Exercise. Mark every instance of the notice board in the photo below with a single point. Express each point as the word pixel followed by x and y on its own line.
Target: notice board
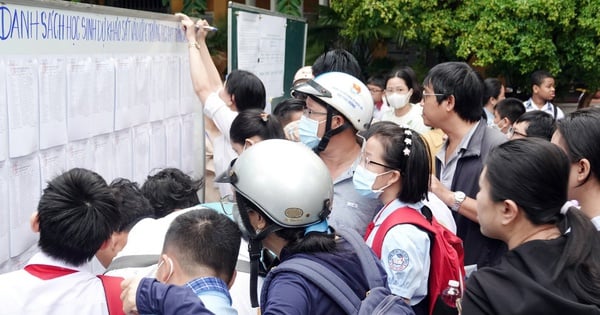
pixel 88 86
pixel 269 44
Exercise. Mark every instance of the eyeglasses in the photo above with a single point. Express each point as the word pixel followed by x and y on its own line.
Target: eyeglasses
pixel 364 161
pixel 512 132
pixel 308 112
pixel 431 94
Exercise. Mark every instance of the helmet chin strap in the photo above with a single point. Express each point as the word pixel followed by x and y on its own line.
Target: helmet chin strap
pixel 329 132
pixel 255 250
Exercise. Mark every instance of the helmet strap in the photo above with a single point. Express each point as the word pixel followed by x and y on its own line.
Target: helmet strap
pixel 328 131
pixel 255 251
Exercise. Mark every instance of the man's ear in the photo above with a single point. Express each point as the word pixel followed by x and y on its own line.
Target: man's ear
pixel 509 212
pixel 535 88
pixel 34 222
pixel 450 102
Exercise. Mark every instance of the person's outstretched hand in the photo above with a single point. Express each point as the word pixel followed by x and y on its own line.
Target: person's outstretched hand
pixel 194 31
pixel 128 294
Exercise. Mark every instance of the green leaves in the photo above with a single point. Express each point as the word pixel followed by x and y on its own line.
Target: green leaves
pixel 290 7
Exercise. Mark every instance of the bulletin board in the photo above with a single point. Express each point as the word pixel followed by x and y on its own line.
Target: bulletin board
pixel 269 44
pixel 88 86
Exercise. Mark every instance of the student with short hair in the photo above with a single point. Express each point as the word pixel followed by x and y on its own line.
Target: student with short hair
pixel 542 93
pixel 133 207
pixel 170 189
pixel 376 85
pixel 76 216
pixel 506 112
pixel 200 251
pixel 536 123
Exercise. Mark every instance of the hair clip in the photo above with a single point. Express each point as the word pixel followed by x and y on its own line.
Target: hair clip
pixel 264 117
pixel 407 142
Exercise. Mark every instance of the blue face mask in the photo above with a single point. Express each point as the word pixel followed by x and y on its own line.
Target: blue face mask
pixel 364 180
pixel 307 131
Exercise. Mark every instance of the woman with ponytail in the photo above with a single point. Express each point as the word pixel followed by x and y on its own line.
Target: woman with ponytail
pixel 553 265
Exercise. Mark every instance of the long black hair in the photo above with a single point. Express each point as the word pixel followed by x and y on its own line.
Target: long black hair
pixel 534 174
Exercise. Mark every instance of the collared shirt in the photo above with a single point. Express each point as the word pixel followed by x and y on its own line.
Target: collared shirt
pixel 214 294
pixel 489 116
pixel 447 170
pixel 404 254
pixel 548 108
pixel 350 209
pixel 80 292
pixel 222 116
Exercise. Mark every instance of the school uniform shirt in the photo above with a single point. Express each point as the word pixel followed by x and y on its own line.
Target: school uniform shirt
pixel 548 108
pixel 79 292
pixel 413 119
pixel 523 283
pixel 222 116
pixel 404 254
pixel 147 238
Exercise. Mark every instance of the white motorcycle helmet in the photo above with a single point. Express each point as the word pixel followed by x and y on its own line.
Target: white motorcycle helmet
pixel 345 93
pixel 285 181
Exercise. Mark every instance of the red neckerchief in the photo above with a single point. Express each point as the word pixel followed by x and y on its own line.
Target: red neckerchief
pixel 47 272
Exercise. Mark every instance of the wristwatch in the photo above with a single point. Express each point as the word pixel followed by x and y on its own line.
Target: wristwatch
pixel 459 197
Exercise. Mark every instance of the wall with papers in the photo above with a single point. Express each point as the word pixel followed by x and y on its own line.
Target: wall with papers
pixel 268 44
pixel 86 86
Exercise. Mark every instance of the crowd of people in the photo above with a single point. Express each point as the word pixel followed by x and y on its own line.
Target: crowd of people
pixel 517 183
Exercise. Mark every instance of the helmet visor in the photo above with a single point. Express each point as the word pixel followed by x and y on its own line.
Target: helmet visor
pixel 312 87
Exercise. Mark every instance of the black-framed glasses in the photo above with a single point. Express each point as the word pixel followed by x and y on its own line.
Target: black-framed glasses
pixel 431 94
pixel 512 132
pixel 364 161
pixel 307 112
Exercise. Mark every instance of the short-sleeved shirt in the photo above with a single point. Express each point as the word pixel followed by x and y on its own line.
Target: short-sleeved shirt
pixel 222 116
pixel 413 119
pixel 404 254
pixel 80 292
pixel 548 108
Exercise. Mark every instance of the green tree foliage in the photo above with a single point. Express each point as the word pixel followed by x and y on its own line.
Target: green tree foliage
pixel 290 7
pixel 506 37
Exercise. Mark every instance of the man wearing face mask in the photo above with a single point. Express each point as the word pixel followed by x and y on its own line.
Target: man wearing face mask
pixel 403 94
pixel 339 106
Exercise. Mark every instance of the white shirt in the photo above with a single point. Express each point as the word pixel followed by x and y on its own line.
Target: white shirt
pixel 413 119
pixel 440 211
pixel 147 238
pixel 404 255
pixel 77 293
pixel 222 116
pixel 548 108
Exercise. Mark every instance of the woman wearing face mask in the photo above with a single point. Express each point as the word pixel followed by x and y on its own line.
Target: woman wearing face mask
pixel 395 168
pixel 403 94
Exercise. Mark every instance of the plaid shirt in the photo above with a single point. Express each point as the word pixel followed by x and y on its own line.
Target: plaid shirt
pixel 214 284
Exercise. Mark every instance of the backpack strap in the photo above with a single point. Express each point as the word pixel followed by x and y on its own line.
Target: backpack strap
pixel 368 261
pixel 112 292
pixel 325 279
pixel 399 216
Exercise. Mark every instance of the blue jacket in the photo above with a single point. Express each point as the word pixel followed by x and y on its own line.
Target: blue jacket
pixel 289 293
pixel 479 249
pixel 154 297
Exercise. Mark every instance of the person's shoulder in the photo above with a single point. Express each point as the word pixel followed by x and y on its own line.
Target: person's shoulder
pixel 493 137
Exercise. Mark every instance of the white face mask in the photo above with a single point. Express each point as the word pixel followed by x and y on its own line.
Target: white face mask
pixel 398 100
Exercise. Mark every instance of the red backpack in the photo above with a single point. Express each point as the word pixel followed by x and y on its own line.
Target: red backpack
pixel 447 254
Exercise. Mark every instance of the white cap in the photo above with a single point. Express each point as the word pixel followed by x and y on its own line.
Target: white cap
pixel 303 74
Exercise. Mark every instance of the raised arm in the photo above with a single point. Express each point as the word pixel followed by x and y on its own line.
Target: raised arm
pixel 205 77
